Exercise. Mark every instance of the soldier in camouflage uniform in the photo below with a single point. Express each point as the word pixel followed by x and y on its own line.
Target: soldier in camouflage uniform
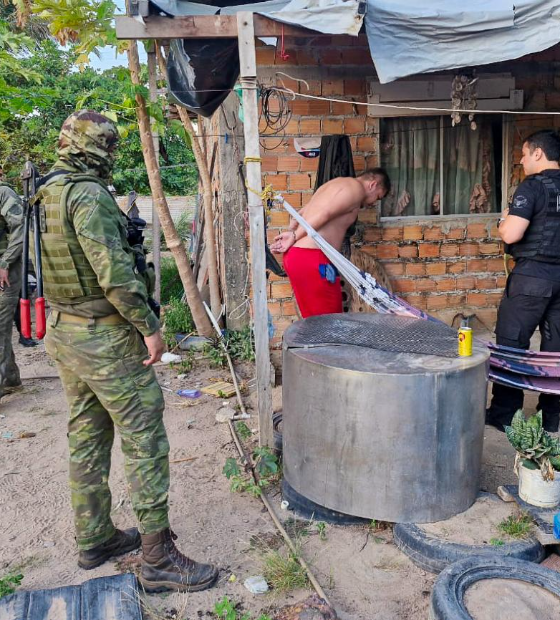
pixel 11 242
pixel 99 332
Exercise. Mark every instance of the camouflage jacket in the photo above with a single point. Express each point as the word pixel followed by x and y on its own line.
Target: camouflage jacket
pixel 98 225
pixel 11 227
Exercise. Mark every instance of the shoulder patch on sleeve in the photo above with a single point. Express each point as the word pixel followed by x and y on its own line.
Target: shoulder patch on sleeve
pixel 519 202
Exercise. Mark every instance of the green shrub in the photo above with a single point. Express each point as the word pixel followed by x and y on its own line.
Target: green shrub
pixel 177 319
pixel 171 285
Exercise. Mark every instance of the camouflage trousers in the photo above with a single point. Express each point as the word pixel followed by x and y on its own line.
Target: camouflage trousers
pixel 108 387
pixel 9 297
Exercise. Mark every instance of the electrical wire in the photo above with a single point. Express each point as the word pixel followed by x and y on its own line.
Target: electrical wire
pixel 276 112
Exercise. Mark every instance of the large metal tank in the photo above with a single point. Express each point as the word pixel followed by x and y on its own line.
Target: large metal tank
pixel 393 436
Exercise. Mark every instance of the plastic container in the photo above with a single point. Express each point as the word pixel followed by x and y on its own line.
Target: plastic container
pixel 537 491
pixel 189 393
pixel 556 530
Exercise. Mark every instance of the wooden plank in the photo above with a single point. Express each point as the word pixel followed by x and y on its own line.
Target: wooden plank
pixel 220 389
pixel 248 80
pixel 202 26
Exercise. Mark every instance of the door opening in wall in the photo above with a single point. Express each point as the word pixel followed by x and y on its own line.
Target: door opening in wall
pixel 437 169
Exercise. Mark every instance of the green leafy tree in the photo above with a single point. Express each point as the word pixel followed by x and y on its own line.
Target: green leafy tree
pixel 33 131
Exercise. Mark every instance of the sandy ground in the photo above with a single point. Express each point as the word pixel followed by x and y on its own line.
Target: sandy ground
pixel 362 571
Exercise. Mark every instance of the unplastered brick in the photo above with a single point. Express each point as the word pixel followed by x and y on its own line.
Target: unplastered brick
pixel 299 181
pixel 412 233
pixel 408 251
pixel 428 250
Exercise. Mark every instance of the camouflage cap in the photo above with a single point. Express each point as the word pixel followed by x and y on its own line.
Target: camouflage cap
pixel 90 136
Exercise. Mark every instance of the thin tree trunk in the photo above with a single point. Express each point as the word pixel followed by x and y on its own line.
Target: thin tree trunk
pixel 172 239
pixel 210 238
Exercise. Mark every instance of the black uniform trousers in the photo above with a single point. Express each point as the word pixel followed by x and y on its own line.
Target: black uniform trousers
pixel 528 303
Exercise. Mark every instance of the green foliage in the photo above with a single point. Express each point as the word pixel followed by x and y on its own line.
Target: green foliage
pixel 9 584
pixel 266 463
pixel 533 444
pixel 243 430
pixel 497 542
pixel 171 285
pixel 231 468
pixel 226 610
pixel 517 526
pixel 38 94
pixel 284 572
pixel 186 364
pixel 177 319
pixel 215 353
pixel 266 466
pixel 238 343
pixel 321 528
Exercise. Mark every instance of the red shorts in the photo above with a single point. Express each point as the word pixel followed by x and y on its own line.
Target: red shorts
pixel 314 294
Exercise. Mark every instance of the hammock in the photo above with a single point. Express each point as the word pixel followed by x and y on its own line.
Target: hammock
pixel 530 370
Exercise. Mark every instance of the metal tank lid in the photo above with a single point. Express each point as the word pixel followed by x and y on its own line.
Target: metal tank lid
pixel 378 343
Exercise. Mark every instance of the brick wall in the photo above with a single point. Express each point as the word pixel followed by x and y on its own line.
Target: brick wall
pixel 446 265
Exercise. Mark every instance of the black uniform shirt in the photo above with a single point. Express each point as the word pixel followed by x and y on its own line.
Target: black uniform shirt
pixel 528 200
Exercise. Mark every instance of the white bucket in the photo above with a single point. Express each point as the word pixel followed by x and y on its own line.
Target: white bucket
pixel 537 491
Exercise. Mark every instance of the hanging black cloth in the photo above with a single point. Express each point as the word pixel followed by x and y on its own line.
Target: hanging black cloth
pixel 335 160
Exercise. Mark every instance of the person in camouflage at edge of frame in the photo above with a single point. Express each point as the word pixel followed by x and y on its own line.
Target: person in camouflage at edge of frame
pixel 99 322
pixel 11 243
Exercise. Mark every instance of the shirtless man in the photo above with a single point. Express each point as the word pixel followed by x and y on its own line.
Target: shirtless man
pixel 332 210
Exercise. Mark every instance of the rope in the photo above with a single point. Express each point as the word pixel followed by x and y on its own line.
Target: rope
pixel 266 195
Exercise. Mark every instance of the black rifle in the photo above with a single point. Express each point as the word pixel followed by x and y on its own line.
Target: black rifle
pixel 29 177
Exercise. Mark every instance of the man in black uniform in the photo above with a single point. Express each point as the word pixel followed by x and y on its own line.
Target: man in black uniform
pixel 531 231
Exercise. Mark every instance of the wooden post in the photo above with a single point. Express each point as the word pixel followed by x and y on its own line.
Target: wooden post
pixel 248 80
pixel 156 228
pixel 233 202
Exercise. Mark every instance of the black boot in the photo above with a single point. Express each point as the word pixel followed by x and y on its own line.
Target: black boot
pixel 120 543
pixel 27 342
pixel 164 567
pixel 551 422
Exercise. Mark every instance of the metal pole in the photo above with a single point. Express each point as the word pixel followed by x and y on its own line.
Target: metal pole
pixel 248 79
pixel 156 229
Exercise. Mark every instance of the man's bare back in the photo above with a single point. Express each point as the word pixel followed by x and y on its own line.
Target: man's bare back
pixel 340 199
pixel 332 210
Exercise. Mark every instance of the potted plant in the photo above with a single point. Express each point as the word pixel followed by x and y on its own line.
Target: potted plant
pixel 537 462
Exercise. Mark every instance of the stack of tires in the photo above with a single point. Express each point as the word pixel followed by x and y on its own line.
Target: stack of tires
pixel 483 582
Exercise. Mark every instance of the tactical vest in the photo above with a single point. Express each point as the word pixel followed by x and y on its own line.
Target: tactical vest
pixel 68 278
pixel 4 232
pixel 541 241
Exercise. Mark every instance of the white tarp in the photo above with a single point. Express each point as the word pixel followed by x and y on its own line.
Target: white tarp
pixel 326 16
pixel 409 37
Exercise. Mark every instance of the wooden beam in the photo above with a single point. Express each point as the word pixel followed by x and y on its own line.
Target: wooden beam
pixel 201 27
pixel 248 80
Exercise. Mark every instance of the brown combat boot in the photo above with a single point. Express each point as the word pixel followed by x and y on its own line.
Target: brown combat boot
pixel 120 543
pixel 164 567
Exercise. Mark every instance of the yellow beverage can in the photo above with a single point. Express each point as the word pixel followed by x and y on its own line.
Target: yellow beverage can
pixel 465 341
